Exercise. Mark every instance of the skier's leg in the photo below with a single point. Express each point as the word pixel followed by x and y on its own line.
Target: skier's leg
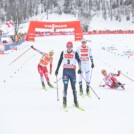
pixel 72 78
pixel 40 70
pixel 65 82
pixel 87 73
pixel 80 84
pixel 45 72
pixel 115 82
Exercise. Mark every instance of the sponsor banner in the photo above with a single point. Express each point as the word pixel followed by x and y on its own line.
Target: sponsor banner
pixel 86 33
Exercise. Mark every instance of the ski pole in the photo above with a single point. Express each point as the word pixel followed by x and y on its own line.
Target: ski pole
pixel 91 75
pixel 94 92
pixel 127 77
pixel 57 88
pixel 58 80
pixel 91 87
pixel 20 56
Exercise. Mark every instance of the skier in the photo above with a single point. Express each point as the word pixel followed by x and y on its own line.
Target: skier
pixel 69 58
pixel 110 80
pixel 85 55
pixel 42 66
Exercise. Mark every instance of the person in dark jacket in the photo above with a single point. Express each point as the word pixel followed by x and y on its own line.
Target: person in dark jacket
pixel 69 58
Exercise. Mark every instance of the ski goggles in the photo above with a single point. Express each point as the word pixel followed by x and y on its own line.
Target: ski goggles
pixel 51 53
pixel 83 42
pixel 69 47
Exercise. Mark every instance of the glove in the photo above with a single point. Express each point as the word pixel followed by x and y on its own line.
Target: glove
pixel 50 72
pixel 32 47
pixel 119 72
pixel 92 66
pixel 79 71
pixel 56 72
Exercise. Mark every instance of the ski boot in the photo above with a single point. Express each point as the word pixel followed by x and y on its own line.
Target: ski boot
pixel 121 85
pixel 43 86
pixel 64 102
pixel 50 85
pixel 87 90
pixel 76 102
pixel 81 90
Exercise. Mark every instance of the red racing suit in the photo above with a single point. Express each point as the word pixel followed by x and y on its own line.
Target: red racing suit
pixel 111 81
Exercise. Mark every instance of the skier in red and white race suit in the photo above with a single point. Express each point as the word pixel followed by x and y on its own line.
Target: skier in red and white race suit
pixel 110 80
pixel 42 66
pixel 86 57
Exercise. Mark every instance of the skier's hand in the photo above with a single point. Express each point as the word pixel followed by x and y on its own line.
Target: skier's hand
pixel 56 72
pixel 50 72
pixel 79 71
pixel 92 65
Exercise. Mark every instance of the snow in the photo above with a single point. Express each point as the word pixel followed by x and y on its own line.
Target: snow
pixel 25 108
pixel 98 23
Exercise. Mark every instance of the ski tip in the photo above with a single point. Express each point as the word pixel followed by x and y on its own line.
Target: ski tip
pixel 81 109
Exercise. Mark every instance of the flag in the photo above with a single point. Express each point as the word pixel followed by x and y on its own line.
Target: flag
pixel 9 23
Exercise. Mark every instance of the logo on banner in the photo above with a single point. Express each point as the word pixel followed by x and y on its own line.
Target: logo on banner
pixel 52 26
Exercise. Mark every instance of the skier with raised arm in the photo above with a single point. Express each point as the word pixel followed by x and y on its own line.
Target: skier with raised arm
pixel 42 66
pixel 110 80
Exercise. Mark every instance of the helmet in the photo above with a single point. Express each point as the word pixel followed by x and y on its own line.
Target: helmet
pixel 103 71
pixel 69 44
pixel 83 41
pixel 51 52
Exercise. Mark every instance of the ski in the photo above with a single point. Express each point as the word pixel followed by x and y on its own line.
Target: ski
pixel 65 109
pixel 80 108
pixel 44 88
pixel 88 95
pixel 82 95
pixel 53 87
